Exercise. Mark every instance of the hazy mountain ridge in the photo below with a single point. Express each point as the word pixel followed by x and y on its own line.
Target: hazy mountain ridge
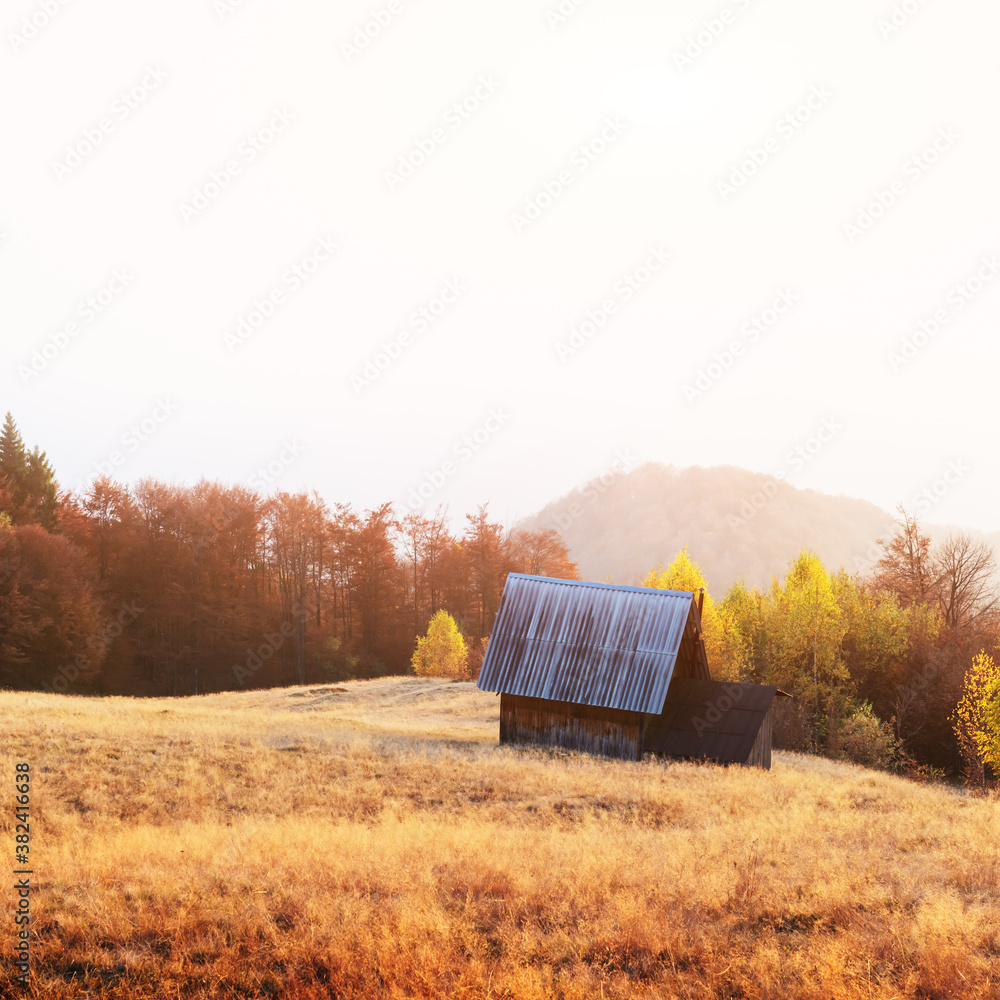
pixel 736 524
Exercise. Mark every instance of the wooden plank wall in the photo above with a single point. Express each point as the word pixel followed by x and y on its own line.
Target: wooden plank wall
pixel 608 731
pixel 760 754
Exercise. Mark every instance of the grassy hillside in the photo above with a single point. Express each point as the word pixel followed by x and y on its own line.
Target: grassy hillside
pixel 372 840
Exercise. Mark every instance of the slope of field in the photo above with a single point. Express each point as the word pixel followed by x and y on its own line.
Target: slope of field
pixel 372 840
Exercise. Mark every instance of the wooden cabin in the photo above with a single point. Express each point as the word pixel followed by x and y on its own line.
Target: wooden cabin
pixel 620 671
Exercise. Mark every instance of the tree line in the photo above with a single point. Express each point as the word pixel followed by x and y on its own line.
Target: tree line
pixel 160 589
pixel 879 664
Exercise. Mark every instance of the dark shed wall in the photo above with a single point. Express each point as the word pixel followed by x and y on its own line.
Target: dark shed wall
pixel 710 720
pixel 760 755
pixel 609 731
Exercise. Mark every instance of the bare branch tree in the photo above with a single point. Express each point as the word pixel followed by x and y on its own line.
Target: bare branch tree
pixel 966 571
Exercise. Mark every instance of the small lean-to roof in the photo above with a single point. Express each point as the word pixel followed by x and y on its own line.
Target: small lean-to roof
pixel 711 720
pixel 591 643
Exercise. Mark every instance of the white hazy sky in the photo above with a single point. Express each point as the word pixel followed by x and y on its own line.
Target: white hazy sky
pixel 178 162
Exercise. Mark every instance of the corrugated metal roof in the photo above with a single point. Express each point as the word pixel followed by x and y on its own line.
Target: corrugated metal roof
pixel 710 719
pixel 590 643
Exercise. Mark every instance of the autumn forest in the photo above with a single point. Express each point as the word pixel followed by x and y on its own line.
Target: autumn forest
pixel 159 589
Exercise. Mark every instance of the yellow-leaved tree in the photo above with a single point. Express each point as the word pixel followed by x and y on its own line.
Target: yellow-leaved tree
pixel 741 617
pixel 992 718
pixel 442 652
pixel 804 637
pixel 976 719
pixel 684 574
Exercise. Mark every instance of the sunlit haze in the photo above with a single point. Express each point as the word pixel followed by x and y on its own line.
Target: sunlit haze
pixel 433 252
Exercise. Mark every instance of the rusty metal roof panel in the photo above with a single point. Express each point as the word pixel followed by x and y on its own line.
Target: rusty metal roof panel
pixel 587 643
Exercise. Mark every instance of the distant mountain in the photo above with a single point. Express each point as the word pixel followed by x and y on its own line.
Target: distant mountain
pixel 736 524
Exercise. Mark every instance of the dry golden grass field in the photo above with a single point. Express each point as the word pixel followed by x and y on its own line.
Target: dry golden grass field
pixel 370 839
